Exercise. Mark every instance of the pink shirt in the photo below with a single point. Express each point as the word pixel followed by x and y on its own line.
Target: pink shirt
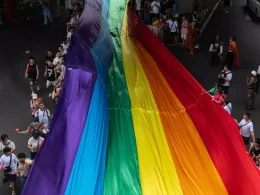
pixel 218 98
pixel 184 27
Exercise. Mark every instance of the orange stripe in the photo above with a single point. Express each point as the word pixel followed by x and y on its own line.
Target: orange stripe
pixel 195 169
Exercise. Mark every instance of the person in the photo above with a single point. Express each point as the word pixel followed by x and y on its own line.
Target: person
pixel 232 55
pixel 34 103
pixel 34 125
pixel 9 166
pixel 192 34
pixel 6 143
pixel 254 150
pixel 246 129
pixel 49 56
pixel 147 8
pixel 225 78
pixel 213 91
pixel 194 18
pixel 44 116
pixel 216 49
pixel 257 78
pixel 225 3
pixel 155 10
pixel 218 97
pixel 32 74
pixel 251 85
pixel 34 143
pixel 227 105
pixel 46 12
pixel 57 91
pixel 173 26
pixel 184 30
pixel 51 74
pixel 22 168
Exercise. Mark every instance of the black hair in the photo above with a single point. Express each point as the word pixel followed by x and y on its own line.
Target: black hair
pixel 31 58
pixel 50 50
pixel 6 149
pixel 21 155
pixel 3 137
pixel 247 114
pixel 36 119
pixel 234 38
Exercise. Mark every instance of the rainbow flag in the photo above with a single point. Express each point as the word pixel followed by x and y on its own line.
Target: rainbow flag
pixel 131 120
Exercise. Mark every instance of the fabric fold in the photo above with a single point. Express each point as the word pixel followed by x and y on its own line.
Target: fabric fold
pixel 53 164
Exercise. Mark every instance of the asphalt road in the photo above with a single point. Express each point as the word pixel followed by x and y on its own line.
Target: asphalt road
pixel 15 91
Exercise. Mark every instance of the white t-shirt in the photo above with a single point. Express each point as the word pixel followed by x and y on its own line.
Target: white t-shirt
pixel 69 34
pixel 5 161
pixel 247 128
pixel 57 61
pixel 155 7
pixel 228 108
pixel 9 144
pixel 228 76
pixel 173 25
pixel 43 116
pixel 138 5
pixel 35 143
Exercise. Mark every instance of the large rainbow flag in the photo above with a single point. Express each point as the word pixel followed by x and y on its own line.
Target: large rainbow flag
pixel 131 120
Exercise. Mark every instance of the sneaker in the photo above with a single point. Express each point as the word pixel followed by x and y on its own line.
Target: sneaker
pixel 38 87
pixel 50 95
pixel 197 47
pixel 27 51
pixel 10 185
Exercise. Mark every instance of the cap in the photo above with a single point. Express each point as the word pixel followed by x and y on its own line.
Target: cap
pixel 253 73
pixel 34 96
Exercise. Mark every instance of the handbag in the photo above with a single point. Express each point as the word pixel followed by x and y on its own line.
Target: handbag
pixel 8 169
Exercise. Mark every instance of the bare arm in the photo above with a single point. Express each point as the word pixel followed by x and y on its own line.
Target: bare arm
pixel 37 69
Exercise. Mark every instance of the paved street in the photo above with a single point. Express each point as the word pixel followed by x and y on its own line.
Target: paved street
pixel 15 91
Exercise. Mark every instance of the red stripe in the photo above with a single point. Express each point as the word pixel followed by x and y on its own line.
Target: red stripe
pixel 216 128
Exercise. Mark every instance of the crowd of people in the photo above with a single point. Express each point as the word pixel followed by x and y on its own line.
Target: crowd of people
pixel 161 17
pixel 19 166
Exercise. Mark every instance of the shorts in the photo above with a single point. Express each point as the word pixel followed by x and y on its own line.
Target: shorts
pixel 23 180
pixel 173 34
pixel 184 36
pixel 50 83
pixel 246 140
pixel 33 82
pixel 10 177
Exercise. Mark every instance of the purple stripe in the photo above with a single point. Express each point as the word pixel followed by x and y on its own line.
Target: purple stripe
pixel 52 167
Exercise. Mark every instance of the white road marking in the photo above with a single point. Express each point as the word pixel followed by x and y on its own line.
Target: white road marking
pixel 207 21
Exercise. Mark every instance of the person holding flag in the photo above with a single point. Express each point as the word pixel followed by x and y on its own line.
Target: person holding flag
pixel 232 55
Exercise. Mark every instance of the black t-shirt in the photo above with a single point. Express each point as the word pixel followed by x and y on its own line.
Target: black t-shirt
pixel 32 71
pixel 216 45
pixel 49 58
pixel 50 73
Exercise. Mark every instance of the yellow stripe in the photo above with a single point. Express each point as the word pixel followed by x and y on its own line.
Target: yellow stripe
pixel 196 171
pixel 157 171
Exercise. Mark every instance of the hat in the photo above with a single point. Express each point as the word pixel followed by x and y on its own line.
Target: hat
pixel 34 96
pixel 253 73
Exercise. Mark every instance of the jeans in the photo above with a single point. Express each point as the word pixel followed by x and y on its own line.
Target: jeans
pixel 47 16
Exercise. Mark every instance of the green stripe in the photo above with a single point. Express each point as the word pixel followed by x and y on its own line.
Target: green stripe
pixel 122 173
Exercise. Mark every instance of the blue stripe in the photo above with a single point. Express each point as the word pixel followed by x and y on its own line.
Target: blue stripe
pixel 87 176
